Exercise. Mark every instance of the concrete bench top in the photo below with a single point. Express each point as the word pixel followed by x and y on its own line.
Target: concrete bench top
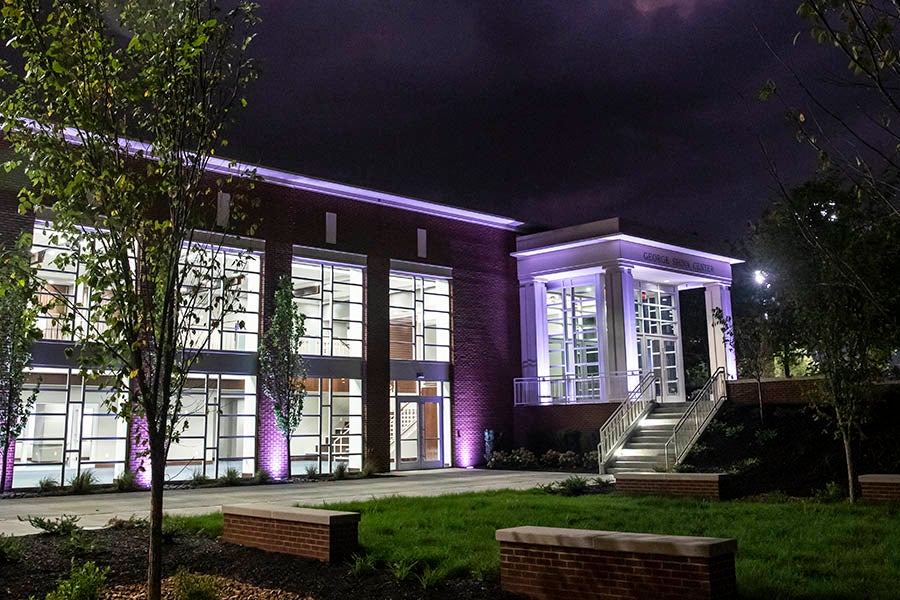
pixel 672 476
pixel 297 515
pixel 617 541
pixel 880 478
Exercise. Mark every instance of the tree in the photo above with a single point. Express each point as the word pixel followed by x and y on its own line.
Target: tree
pixel 168 75
pixel 282 369
pixel 809 243
pixel 18 314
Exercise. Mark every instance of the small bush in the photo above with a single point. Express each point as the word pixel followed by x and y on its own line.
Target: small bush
pixel 84 583
pixel 231 477
pixel 402 569
pixel 571 486
pixel 195 586
pixel 126 482
pixel 312 471
pixel 199 478
pixel 48 484
pixel 81 544
pixel 832 492
pixel 64 525
pixel 131 522
pixel 82 483
pixel 368 470
pixel 589 461
pixel 10 549
pixel 431 577
pixel 362 564
pixel 262 476
pixel 340 470
pixel 520 458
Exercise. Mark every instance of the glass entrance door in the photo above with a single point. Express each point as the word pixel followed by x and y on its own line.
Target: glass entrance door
pixel 416 441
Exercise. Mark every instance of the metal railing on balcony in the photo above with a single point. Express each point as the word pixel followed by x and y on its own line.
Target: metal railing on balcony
pixel 639 401
pixel 703 405
pixel 569 389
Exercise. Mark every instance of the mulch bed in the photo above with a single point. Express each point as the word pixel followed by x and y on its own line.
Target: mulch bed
pixel 44 561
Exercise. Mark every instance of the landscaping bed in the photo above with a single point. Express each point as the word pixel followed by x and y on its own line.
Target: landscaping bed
pixel 250 574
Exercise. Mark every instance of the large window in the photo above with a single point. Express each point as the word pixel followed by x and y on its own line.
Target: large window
pixel 220 297
pixel 331 298
pixel 572 330
pixel 331 429
pixel 70 430
pixel 220 414
pixel 420 318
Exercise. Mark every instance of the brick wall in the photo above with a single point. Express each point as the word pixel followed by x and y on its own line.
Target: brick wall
pixel 573 567
pixel 796 390
pixel 328 536
pixel 880 488
pixel 586 418
pixel 9 458
pixel 692 485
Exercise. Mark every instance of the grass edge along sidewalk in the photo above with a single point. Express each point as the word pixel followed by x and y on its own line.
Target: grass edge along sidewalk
pixel 787 548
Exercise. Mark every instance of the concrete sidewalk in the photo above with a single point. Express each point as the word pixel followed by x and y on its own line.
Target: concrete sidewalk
pixel 96 510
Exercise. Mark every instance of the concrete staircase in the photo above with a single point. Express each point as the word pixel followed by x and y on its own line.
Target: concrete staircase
pixel 644 451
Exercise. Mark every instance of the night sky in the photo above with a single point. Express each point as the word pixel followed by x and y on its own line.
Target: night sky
pixel 552 112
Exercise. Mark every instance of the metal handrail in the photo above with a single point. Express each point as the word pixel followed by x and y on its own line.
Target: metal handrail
pixel 704 405
pixel 612 386
pixel 624 419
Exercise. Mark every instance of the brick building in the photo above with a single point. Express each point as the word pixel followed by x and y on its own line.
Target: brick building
pixel 426 326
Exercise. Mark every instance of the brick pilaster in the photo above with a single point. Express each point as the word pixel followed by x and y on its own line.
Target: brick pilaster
pixel 377 376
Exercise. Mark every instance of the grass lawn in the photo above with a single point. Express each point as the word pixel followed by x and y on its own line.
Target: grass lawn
pixel 786 548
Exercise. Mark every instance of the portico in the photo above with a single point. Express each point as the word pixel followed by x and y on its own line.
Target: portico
pixel 600 313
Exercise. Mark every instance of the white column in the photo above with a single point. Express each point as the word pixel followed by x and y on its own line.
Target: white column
pixel 721 354
pixel 533 320
pixel 621 334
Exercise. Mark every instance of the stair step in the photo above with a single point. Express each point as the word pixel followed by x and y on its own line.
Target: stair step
pixel 646 445
pixel 639 453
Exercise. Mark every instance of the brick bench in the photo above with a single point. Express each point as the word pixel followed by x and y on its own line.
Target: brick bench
pixel 693 485
pixel 325 535
pixel 550 563
pixel 883 488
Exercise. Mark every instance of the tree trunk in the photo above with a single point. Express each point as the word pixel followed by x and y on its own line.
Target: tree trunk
pixel 287 441
pixel 851 468
pixel 157 481
pixel 759 399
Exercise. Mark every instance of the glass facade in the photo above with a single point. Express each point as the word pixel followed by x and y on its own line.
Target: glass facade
pixel 69 431
pixel 420 318
pixel 331 298
pixel 218 430
pixel 331 429
pixel 572 331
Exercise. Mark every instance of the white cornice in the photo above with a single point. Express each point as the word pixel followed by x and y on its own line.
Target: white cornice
pixel 625 238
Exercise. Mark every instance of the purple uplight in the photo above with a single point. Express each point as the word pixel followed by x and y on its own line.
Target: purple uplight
pixel 138 460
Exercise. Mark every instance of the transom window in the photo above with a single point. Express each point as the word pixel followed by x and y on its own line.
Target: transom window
pixel 330 296
pixel 420 318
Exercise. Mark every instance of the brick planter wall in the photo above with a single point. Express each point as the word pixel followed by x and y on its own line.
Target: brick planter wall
pixel 325 535
pixel 550 563
pixel 882 488
pixel 693 485
pixel 796 390
pixel 586 418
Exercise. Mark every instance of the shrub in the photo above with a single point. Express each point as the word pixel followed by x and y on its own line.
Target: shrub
pixel 82 483
pixel 832 492
pixel 64 525
pixel 84 583
pixel 10 549
pixel 231 477
pixel 569 460
pixel 589 461
pixel 262 476
pixel 362 564
pixel 550 459
pixel 195 586
pixel 340 470
pixel 126 482
pixel 312 471
pixel 199 478
pixel 571 486
pixel 132 522
pixel 402 569
pixel 368 470
pixel 520 458
pixel 431 577
pixel 80 544
pixel 48 484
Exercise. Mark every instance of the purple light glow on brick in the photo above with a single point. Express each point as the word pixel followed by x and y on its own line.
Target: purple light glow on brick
pixel 272 449
pixel 10 459
pixel 138 459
